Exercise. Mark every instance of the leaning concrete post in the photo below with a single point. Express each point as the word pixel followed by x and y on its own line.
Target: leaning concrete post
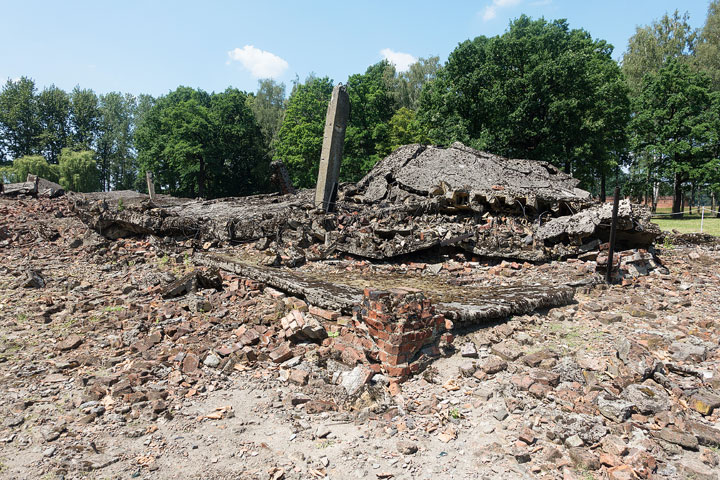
pixel 150 185
pixel 335 122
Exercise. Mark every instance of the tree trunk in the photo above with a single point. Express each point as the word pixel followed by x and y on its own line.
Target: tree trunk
pixel 677 196
pixel 655 194
pixel 603 196
pixel 692 196
pixel 201 179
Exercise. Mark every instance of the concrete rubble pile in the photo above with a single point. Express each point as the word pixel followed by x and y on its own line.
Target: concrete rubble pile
pixel 420 200
pixel 417 199
pixel 146 356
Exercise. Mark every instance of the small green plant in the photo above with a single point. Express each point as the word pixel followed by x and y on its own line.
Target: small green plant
pixel 116 308
pixel 21 317
pixel 455 413
pixel 324 444
pixel 667 243
pixel 120 205
pixel 333 334
pixel 163 260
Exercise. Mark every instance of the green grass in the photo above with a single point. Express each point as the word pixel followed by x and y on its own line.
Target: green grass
pixel 689 223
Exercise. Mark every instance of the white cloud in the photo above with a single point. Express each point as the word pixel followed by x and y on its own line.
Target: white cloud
pixel 491 10
pixel 402 61
pixel 261 64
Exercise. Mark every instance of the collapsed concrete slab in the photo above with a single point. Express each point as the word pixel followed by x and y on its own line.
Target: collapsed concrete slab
pixel 468 179
pixel 417 199
pixel 477 306
pixel 33 186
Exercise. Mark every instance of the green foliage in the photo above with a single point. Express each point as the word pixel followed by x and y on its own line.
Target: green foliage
pixel 405 129
pixel 409 84
pixel 36 165
pixel 53 105
pixel 202 144
pixel 84 118
pixel 540 91
pixel 268 106
pixel 19 124
pixel 299 140
pixel 708 46
pixel 78 171
pixel 114 140
pixel 367 138
pixel 672 126
pixel 652 45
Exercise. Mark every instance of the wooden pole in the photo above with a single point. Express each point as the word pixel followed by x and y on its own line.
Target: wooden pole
pixel 613 232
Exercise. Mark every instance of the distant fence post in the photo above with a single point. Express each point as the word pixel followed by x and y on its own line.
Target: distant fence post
pixel 702 219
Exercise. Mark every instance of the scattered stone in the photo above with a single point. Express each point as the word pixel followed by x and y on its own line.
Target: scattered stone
pixel 704 402
pixel 648 398
pixel 468 350
pixel 71 342
pixel 407 448
pixel 685 440
pixel 493 364
pixel 687 352
pixel 355 379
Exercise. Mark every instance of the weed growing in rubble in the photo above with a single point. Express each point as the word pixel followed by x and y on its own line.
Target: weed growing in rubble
pixel 117 308
pixel 455 413
pixel 21 317
pixel 120 205
pixel 333 334
pixel 163 260
pixel 667 243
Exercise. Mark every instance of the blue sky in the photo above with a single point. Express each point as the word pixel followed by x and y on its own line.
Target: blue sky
pixel 153 46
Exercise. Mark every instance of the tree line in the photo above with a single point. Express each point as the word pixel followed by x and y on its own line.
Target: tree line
pixel 541 90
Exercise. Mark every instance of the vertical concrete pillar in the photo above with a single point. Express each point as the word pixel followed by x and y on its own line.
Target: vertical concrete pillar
pixel 335 122
pixel 150 184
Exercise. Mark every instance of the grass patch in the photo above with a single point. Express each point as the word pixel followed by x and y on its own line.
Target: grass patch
pixel 689 223
pixel 118 308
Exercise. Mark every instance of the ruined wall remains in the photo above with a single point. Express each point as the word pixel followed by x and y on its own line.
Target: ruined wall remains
pixel 397 329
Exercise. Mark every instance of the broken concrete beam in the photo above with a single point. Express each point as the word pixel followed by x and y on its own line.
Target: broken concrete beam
pixel 634 226
pixel 281 178
pixel 23 188
pixel 478 306
pixel 331 156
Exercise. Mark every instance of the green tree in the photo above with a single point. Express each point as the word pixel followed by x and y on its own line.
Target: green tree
pixel 405 129
pixel 53 107
pixel 268 106
pixel 653 45
pixel 19 125
pixel 114 141
pixel 708 46
pixel 84 118
pixel 540 91
pixel 202 144
pixel 299 140
pixel 372 105
pixel 671 126
pixel 410 83
pixel 78 171
pixel 36 165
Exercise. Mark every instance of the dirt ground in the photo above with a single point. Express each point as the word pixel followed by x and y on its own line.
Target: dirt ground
pixel 102 377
